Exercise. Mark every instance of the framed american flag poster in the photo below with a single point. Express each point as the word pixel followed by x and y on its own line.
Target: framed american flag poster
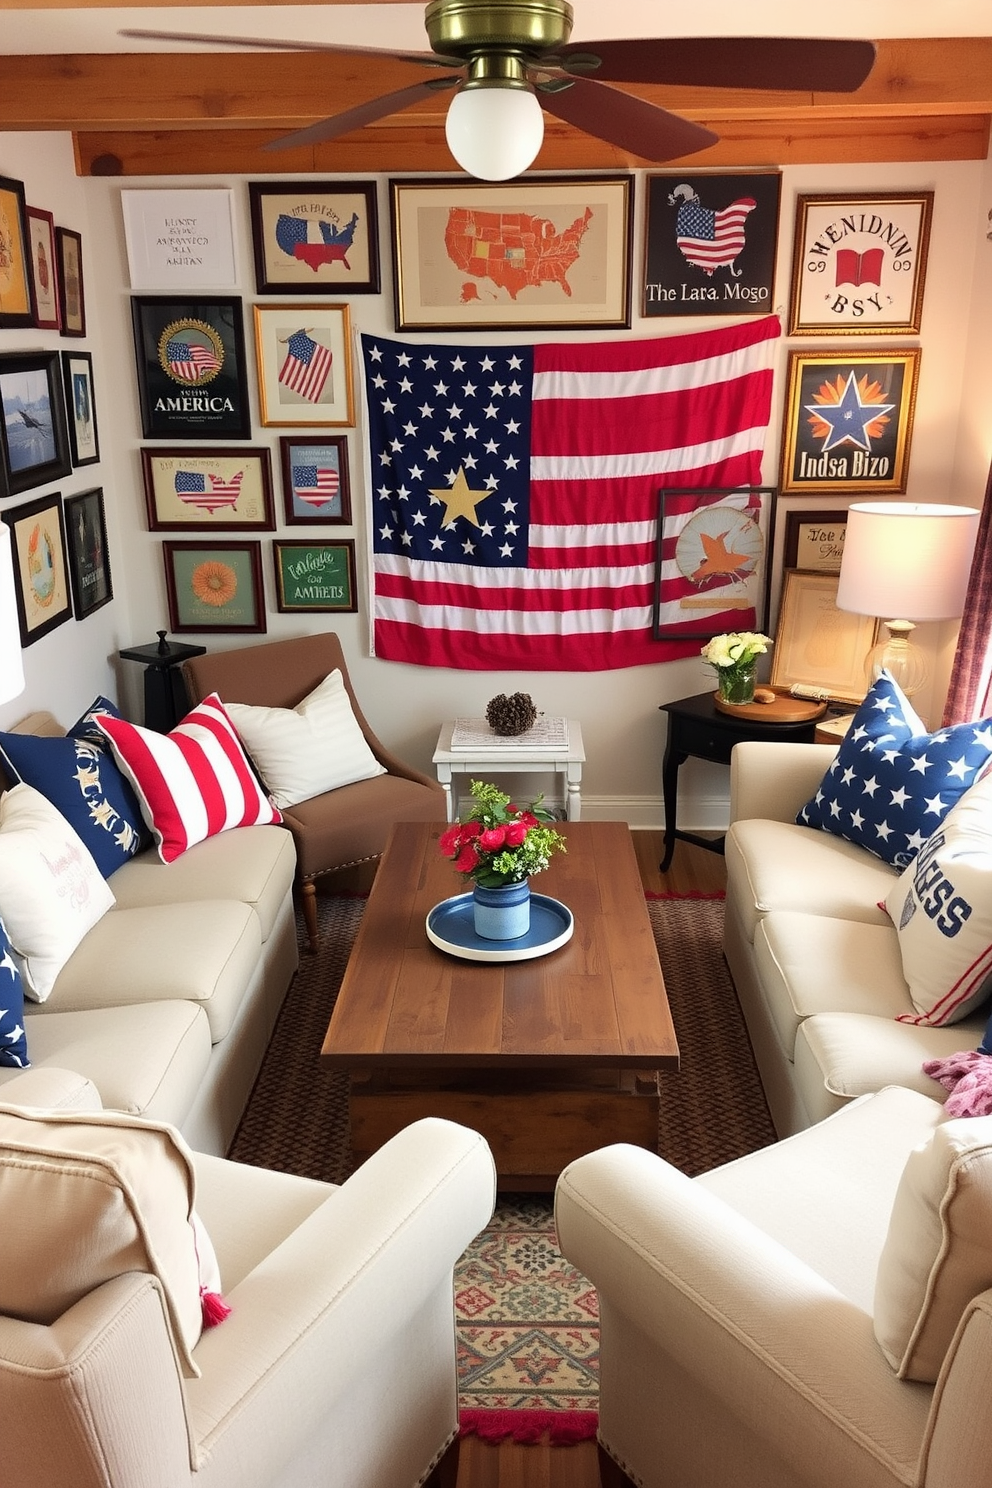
pixel 710 243
pixel 190 357
pixel 304 364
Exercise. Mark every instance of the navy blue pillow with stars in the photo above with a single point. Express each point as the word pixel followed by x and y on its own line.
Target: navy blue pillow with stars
pixel 891 783
pixel 13 1039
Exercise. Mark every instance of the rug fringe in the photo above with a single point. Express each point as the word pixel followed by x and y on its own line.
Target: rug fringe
pixel 559 1428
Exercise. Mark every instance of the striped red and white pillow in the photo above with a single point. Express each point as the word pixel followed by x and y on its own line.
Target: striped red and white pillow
pixel 193 782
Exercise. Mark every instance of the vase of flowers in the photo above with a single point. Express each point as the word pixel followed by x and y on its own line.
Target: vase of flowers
pixel 734 658
pixel 499 847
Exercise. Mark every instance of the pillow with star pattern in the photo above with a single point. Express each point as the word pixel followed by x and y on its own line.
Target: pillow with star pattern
pixel 891 783
pixel 13 1038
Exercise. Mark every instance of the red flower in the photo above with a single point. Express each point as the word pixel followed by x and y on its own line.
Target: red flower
pixel 529 819
pixel 467 859
pixel 515 833
pixel 492 839
pixel 450 841
pixel 471 828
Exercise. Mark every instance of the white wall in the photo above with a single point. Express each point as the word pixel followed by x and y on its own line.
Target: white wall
pixel 623 730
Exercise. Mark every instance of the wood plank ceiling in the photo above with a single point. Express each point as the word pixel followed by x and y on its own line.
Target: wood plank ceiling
pixel 168 113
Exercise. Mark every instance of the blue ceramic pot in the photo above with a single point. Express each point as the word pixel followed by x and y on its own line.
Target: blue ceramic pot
pixel 503 913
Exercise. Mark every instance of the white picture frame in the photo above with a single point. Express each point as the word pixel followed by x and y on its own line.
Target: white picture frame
pixel 180 239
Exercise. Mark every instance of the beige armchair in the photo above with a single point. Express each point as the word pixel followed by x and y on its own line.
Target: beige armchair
pixel 815 1315
pixel 336 1366
pixel 342 827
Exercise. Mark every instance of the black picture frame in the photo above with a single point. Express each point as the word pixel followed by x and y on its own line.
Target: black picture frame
pixel 710 243
pixel 304 231
pixel 315 577
pixel 80 407
pixel 42 587
pixel 704 528
pixel 324 500
pixel 15 298
pixel 34 442
pixel 205 395
pixel 69 267
pixel 89 559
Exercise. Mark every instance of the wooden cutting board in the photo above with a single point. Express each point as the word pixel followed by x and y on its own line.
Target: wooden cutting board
pixel 785 708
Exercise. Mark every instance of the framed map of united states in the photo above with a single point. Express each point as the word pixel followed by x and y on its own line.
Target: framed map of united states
pixel 553 252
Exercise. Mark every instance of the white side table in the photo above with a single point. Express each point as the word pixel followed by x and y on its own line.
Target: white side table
pixel 513 756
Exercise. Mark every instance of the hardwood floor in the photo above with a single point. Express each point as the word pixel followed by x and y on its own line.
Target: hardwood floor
pixel 508 1465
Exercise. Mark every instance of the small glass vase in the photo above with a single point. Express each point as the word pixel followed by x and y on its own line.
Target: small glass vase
pixel 503 913
pixel 736 684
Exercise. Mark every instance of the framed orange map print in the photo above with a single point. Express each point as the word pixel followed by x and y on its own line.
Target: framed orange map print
pixel 553 252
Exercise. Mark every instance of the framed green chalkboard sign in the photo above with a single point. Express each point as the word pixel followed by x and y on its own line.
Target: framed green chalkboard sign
pixel 315 575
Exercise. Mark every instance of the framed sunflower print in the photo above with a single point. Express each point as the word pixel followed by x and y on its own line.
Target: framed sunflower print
pixel 214 586
pixel 41 575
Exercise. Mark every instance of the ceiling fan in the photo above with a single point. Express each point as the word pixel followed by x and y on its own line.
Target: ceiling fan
pixel 509 59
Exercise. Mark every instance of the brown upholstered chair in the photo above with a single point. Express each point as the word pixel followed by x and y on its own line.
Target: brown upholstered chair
pixel 342 827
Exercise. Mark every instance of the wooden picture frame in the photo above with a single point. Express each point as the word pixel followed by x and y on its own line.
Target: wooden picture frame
pixel 45 312
pixel 41 580
pixel 711 561
pixel 315 577
pixel 315 237
pixel 461 260
pixel 80 407
pixel 316 489
pixel 818 645
pixel 180 238
pixel 34 442
pixel 89 559
pixel 214 587
pixel 859 263
pixel 304 365
pixel 814 540
pixel 710 243
pixel 221 490
pixel 15 282
pixel 69 268
pixel 192 374
pixel 849 421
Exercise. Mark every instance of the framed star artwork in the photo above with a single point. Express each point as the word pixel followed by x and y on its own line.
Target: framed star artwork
pixel 711 561
pixel 848 421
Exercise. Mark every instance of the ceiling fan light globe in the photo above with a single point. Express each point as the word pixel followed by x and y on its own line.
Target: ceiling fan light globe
pixel 494 133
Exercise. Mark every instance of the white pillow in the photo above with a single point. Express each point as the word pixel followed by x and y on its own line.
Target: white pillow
pixel 303 751
pixel 936 1256
pixel 51 891
pixel 941 906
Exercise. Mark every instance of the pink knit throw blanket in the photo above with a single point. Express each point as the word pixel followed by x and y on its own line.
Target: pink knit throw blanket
pixel 968 1076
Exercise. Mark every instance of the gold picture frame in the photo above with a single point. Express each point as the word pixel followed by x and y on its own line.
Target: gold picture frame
pixel 816 644
pixel 304 365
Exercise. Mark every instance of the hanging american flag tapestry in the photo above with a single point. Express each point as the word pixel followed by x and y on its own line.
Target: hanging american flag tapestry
pixel 513 490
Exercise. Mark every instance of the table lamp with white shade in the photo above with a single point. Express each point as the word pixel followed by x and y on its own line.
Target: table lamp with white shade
pixel 11 663
pixel 910 560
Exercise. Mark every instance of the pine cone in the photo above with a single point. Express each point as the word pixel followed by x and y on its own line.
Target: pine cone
pixel 510 715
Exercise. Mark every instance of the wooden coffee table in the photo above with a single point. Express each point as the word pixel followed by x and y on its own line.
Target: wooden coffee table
pixel 549 1057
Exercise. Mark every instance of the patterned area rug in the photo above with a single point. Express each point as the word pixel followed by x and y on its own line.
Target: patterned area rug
pixel 527 1321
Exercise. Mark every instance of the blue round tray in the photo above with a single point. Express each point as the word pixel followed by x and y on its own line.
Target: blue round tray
pixel 451 927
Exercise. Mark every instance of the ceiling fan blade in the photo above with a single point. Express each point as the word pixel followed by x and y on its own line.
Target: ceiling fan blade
pixel 272 44
pixel 766 62
pixel 364 113
pixel 634 125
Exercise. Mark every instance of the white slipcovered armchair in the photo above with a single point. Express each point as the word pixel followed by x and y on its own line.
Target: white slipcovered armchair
pixel 336 1365
pixel 815 1315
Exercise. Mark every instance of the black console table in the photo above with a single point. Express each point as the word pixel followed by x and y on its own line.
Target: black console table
pixel 697 727
pixel 165 689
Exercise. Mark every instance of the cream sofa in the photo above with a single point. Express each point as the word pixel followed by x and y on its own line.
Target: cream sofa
pixel 815 960
pixel 168 1003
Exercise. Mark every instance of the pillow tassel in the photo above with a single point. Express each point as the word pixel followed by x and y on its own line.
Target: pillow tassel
pixel 213 1308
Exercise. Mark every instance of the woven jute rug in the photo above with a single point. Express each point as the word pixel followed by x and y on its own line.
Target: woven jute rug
pixel 527 1321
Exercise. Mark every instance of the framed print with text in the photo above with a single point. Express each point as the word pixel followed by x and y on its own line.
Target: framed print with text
pixel 814 540
pixel 44 282
pixel 315 485
pixel 314 576
pixel 34 442
pixel 214 586
pixel 711 562
pixel 848 421
pixel 69 267
pixel 222 489
pixel 89 561
pixel 192 381
pixel 859 263
pixel 15 259
pixel 818 645
pixel 180 238
pixel 304 364
pixel 710 243
pixel 313 237
pixel 80 404
pixel 41 581
pixel 553 252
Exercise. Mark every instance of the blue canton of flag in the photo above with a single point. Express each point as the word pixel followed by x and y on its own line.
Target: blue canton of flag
pixel 451 432
pixel 188 480
pixel 696 221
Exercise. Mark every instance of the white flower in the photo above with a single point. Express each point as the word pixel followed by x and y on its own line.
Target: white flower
pixel 736 649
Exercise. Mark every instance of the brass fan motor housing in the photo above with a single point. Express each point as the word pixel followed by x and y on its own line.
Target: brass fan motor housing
pixel 457 28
